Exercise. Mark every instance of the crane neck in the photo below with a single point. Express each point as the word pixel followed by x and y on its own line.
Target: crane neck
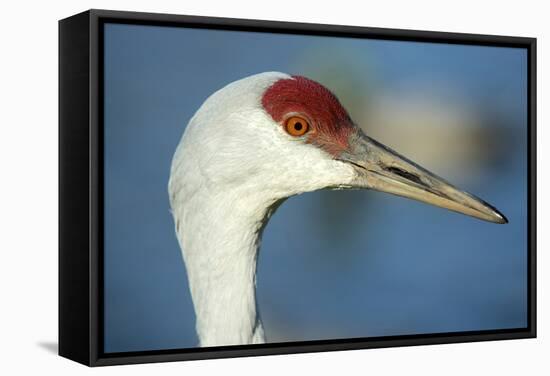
pixel 220 239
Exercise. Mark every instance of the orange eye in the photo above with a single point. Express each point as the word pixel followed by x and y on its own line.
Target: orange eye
pixel 296 126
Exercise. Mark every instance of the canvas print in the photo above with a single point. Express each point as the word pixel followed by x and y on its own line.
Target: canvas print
pixel 276 188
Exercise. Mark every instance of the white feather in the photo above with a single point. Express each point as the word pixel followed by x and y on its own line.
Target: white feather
pixel 234 165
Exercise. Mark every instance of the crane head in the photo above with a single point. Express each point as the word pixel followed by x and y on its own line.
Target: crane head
pixel 273 135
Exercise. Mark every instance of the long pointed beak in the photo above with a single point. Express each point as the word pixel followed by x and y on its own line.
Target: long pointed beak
pixel 382 169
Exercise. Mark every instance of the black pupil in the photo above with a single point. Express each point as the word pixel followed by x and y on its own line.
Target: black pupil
pixel 298 126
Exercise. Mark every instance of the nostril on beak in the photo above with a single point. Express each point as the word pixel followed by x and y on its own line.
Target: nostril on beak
pixel 404 174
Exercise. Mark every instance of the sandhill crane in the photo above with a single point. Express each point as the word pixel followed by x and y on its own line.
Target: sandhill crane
pixel 251 145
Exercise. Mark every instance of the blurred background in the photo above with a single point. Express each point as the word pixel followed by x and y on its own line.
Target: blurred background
pixel 360 263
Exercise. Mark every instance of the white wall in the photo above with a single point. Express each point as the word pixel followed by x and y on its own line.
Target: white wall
pixel 28 188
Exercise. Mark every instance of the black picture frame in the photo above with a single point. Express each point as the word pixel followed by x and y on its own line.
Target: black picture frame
pixel 81 181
